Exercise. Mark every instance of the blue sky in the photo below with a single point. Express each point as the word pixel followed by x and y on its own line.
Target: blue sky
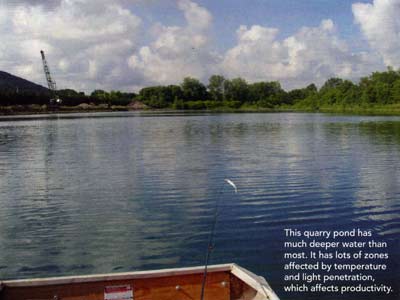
pixel 286 15
pixel 129 44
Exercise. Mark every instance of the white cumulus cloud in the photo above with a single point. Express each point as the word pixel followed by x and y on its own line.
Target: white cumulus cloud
pixel 313 54
pixel 380 23
pixel 178 51
pixel 103 44
pixel 87 42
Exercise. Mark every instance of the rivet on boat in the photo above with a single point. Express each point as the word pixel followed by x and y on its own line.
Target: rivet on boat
pixel 224 284
pixel 178 287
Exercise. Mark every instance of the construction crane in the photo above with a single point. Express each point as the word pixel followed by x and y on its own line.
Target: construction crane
pixel 50 82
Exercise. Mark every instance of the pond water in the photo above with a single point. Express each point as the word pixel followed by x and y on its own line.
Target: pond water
pixel 113 192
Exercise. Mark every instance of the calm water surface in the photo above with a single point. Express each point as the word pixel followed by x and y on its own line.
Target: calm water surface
pixel 82 194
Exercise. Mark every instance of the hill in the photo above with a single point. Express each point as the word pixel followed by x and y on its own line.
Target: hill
pixel 11 83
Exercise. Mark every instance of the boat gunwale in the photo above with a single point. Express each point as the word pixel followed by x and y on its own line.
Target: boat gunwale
pixel 114 276
pixel 258 283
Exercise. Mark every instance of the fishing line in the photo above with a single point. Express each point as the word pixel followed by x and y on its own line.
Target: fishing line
pixel 210 246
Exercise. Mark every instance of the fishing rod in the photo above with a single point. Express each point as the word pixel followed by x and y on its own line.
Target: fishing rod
pixel 210 246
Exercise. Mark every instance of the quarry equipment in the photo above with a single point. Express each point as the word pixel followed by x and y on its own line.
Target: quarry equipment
pixel 55 100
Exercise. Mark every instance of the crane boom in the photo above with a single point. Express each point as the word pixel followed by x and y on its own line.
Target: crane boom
pixel 50 82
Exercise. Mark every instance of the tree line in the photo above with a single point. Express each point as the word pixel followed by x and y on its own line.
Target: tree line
pixel 379 88
pixel 70 97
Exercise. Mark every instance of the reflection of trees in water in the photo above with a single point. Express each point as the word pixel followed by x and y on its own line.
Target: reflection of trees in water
pixel 385 133
pixel 372 166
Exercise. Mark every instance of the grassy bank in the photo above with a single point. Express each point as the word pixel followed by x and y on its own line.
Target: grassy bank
pixel 383 110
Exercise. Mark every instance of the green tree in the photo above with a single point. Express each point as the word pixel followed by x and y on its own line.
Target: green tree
pixel 263 91
pixel 193 89
pixel 216 87
pixel 311 89
pixel 383 94
pixel 160 96
pixel 237 89
pixel 395 92
pixel 178 103
pixel 100 97
pixel 71 97
pixel 331 83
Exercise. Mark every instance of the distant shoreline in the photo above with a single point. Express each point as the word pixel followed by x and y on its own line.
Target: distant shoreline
pixel 385 110
pixel 38 110
pixel 377 94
